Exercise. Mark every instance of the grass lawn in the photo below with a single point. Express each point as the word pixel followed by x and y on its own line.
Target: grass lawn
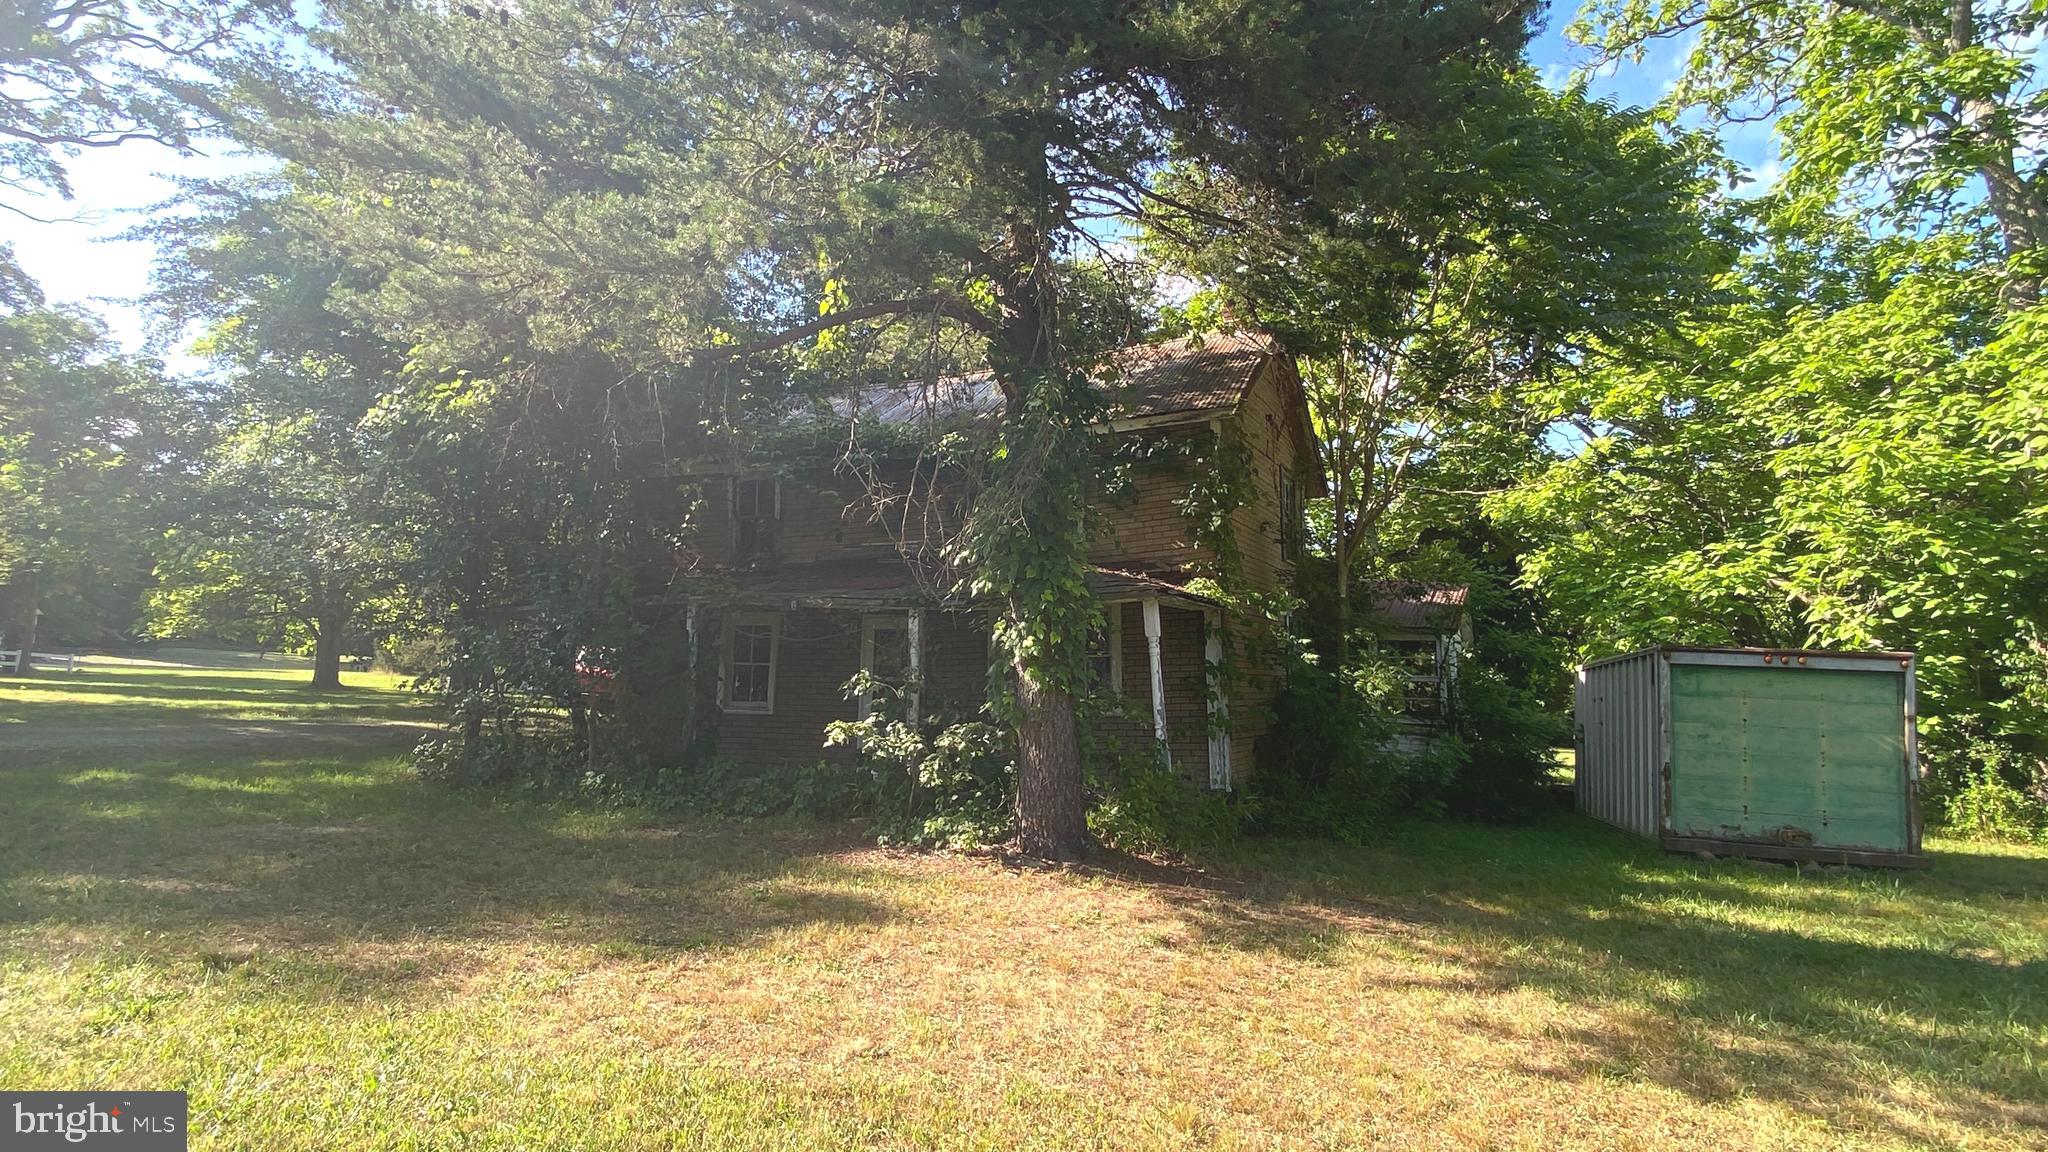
pixel 329 954
pixel 134 693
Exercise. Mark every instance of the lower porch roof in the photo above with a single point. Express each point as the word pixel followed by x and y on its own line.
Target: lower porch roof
pixel 871 583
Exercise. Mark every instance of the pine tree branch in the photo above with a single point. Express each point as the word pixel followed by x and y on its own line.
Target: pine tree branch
pixel 951 307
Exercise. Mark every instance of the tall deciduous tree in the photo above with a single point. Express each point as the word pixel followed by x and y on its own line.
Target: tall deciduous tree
pixel 1850 453
pixel 1918 111
pixel 293 531
pixel 83 430
pixel 287 543
pixel 1547 235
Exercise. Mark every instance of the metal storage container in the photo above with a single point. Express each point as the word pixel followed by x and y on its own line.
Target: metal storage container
pixel 1785 755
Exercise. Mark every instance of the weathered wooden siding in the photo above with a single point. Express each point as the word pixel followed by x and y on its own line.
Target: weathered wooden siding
pixel 1264 423
pixel 1143 526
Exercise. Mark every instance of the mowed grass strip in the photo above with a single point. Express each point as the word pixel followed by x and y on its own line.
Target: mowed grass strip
pixel 327 953
pixel 139 695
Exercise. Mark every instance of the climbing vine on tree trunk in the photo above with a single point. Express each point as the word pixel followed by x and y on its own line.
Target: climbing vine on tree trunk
pixel 1027 547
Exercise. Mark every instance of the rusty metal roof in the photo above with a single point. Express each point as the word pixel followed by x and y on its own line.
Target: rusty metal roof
pixel 1416 605
pixel 1140 581
pixel 1196 376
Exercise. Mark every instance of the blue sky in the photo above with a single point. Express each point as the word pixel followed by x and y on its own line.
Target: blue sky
pixel 79 261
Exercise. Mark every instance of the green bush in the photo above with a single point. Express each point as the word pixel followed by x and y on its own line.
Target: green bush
pixel 939 782
pixel 1502 737
pixel 814 791
pixel 539 761
pixel 1139 805
pixel 1325 767
pixel 1979 788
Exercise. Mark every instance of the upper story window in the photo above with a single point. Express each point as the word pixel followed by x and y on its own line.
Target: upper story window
pixel 1292 517
pixel 756 510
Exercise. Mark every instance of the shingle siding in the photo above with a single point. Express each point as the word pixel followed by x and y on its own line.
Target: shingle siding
pixel 1266 426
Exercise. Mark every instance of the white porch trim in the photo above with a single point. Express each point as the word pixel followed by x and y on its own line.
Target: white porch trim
pixel 1219 702
pixel 913 637
pixel 1150 604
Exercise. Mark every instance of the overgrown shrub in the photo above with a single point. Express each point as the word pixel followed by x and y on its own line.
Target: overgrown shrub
pixel 1980 788
pixel 1137 804
pixel 1325 764
pixel 940 782
pixel 1502 742
pixel 543 761
pixel 815 790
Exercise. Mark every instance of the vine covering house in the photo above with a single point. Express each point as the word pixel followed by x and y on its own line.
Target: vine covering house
pixel 813 563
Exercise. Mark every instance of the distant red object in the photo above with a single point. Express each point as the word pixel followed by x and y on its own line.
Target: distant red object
pixel 592 679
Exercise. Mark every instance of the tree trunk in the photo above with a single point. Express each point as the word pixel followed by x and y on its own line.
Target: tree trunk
pixel 465 679
pixel 1340 542
pixel 327 639
pixel 21 634
pixel 2018 210
pixel 1343 566
pixel 1047 524
pixel 1051 811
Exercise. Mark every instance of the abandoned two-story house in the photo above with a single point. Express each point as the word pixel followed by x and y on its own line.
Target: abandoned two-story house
pixel 814 581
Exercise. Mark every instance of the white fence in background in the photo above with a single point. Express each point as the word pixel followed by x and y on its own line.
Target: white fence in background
pixel 10 659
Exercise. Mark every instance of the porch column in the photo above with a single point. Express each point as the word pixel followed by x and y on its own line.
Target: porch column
pixel 693 683
pixel 1151 607
pixel 1219 703
pixel 913 635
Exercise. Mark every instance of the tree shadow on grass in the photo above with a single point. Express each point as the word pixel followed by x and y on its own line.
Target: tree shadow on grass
pixel 352 877
pixel 1880 1001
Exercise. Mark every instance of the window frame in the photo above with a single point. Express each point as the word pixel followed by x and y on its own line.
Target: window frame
pixel 870 623
pixel 726 703
pixel 1293 514
pixel 1113 633
pixel 774 517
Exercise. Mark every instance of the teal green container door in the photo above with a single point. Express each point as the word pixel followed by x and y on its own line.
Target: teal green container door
pixel 1788 755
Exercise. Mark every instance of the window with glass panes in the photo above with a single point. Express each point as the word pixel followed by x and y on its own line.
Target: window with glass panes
pixel 1105 651
pixel 1291 516
pixel 754 513
pixel 884 654
pixel 750 666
